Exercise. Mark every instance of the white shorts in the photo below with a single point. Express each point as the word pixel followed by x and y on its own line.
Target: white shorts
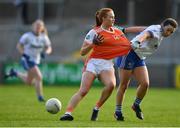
pixel 97 65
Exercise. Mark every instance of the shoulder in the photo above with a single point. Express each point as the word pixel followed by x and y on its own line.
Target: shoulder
pixel 91 33
pixel 93 30
pixel 27 34
pixel 25 37
pixel 43 35
pixel 117 29
pixel 97 29
pixel 154 28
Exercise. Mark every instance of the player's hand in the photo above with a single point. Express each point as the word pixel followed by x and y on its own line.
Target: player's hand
pixel 135 45
pixel 43 55
pixel 98 39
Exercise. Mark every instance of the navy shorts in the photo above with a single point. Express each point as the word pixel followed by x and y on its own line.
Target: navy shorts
pixel 130 61
pixel 26 62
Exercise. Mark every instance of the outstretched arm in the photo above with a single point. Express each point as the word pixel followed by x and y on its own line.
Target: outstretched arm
pixel 134 29
pixel 146 35
pixel 137 44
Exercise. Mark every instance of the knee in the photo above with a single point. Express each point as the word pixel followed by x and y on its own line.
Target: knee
pixel 123 87
pixel 29 82
pixel 111 86
pixel 39 78
pixel 83 93
pixel 145 84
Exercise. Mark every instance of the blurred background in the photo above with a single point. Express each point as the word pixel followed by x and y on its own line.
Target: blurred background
pixel 68 21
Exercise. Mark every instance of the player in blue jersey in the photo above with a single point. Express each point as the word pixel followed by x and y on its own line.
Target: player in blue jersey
pixel 133 64
pixel 33 46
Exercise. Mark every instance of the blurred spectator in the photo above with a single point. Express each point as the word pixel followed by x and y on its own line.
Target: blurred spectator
pixel 22 11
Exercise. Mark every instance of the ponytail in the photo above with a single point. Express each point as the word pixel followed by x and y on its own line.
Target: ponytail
pixel 98 23
pixel 44 31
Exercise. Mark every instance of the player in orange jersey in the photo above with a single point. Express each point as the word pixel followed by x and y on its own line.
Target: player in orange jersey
pixel 106 43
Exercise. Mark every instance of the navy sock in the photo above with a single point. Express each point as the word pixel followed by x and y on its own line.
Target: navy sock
pixel 137 101
pixel 41 98
pixel 119 108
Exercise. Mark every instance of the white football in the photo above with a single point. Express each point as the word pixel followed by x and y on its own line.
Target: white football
pixel 53 105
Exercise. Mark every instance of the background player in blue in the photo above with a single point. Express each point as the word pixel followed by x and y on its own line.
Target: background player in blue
pixel 32 46
pixel 133 64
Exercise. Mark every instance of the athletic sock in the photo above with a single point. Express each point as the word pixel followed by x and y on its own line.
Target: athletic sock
pixel 41 98
pixel 69 110
pixel 119 108
pixel 137 101
pixel 69 113
pixel 96 108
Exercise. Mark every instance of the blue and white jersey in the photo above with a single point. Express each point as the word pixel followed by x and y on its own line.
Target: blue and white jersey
pixel 34 45
pixel 149 46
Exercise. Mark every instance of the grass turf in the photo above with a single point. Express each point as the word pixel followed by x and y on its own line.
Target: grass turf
pixel 20 108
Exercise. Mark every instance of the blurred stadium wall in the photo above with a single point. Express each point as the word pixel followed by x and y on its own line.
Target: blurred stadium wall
pixel 69 20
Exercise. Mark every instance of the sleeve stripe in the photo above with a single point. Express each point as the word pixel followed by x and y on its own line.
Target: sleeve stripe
pixel 151 33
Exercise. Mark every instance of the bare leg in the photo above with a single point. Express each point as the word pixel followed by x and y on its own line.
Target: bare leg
pixel 125 76
pixel 22 76
pixel 26 77
pixel 86 82
pixel 108 79
pixel 38 82
pixel 141 75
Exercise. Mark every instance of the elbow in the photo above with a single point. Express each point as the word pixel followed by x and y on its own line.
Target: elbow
pixel 82 53
pixel 19 49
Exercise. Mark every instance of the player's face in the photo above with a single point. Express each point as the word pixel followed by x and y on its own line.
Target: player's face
pixel 38 27
pixel 109 19
pixel 168 30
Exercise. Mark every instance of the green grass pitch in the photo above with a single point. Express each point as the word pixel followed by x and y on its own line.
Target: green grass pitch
pixel 20 108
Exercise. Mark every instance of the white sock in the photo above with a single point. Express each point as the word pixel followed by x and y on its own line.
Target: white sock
pixel 69 113
pixel 96 108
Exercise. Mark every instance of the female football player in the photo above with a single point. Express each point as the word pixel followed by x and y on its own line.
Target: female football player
pixel 133 63
pixel 106 42
pixel 32 46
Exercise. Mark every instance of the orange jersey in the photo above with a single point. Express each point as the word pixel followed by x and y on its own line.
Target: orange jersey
pixel 115 44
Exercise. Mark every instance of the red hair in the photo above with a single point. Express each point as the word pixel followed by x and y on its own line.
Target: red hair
pixel 100 14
